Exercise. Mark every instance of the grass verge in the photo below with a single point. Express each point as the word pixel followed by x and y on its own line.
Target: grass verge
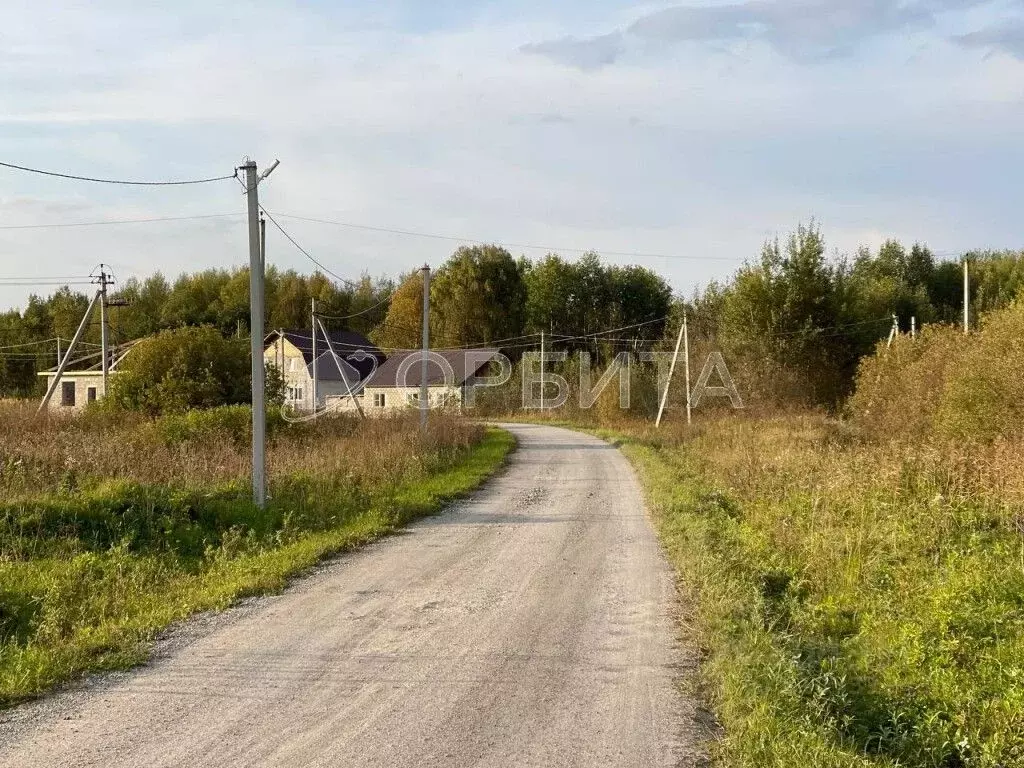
pixel 88 579
pixel 856 605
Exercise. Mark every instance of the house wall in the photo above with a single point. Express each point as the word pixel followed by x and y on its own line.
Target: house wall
pixel 398 398
pixel 82 384
pixel 290 360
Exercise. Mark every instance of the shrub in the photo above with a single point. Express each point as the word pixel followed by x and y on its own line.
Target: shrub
pixel 947 384
pixel 181 369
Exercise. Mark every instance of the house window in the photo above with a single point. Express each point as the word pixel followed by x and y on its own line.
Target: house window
pixel 414 398
pixel 90 394
pixel 67 394
pixel 378 400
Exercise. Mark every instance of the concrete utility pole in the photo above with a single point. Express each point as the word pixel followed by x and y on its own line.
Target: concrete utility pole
pixel 312 304
pixel 967 298
pixel 67 354
pixel 424 391
pixel 686 361
pixel 259 403
pixel 263 242
pixel 58 350
pixel 344 378
pixel 671 370
pixel 104 281
pixel 893 331
pixel 542 370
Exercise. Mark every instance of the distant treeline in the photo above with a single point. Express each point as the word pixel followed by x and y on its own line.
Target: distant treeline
pixel 793 324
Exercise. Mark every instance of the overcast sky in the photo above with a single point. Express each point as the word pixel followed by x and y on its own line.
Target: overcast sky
pixel 692 131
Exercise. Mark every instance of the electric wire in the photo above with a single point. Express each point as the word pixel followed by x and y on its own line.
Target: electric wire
pixel 55 225
pixel 304 251
pixel 119 181
pixel 360 312
pixel 507 244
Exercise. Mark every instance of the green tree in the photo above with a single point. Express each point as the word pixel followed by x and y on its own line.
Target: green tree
pixel 401 328
pixel 479 295
pixel 180 369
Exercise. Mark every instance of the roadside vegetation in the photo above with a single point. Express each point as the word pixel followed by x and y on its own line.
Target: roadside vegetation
pixel 113 525
pixel 857 579
pixel 858 604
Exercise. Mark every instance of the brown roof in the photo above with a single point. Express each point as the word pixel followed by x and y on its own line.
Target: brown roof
pixel 465 363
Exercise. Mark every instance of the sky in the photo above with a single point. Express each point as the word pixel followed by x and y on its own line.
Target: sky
pixel 676 136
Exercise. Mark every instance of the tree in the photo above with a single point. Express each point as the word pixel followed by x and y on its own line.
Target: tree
pixel 180 369
pixel 402 325
pixel 550 296
pixel 478 296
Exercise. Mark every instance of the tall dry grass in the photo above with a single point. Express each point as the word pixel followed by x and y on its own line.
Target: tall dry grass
pixel 860 599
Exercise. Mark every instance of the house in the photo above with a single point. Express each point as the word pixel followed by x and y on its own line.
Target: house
pixel 78 388
pixel 396 383
pixel 342 366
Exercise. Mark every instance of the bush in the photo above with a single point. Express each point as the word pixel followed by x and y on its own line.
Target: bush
pixel 946 384
pixel 182 369
pixel 899 390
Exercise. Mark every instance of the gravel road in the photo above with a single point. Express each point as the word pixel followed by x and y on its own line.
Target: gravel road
pixel 530 625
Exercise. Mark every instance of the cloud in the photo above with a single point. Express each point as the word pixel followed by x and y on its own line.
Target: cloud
pixel 798 29
pixel 586 53
pixel 1008 38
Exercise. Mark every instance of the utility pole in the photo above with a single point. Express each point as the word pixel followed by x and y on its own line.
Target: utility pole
pixel 337 363
pixel 967 298
pixel 686 361
pixel 58 350
pixel 263 242
pixel 542 371
pixel 67 354
pixel 913 327
pixel 424 392
pixel 893 331
pixel 104 280
pixel 671 370
pixel 312 304
pixel 259 403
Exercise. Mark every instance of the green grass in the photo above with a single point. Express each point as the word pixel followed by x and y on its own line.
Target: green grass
pixel 88 578
pixel 855 606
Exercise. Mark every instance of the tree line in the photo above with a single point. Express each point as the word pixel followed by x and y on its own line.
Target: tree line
pixel 793 324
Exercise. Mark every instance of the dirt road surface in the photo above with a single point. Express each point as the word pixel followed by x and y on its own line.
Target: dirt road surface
pixel 530 625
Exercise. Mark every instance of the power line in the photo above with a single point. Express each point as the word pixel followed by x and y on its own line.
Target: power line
pixel 528 246
pixel 55 284
pixel 304 251
pixel 120 221
pixel 360 312
pixel 119 181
